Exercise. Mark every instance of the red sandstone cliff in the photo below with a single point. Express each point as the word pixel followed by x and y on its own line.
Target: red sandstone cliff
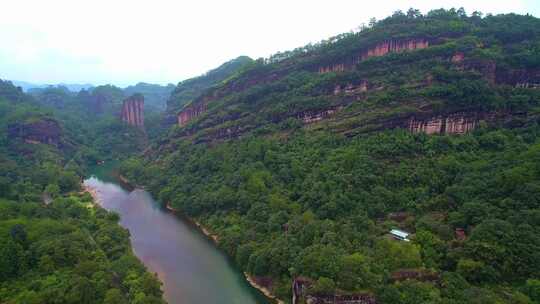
pixel 458 123
pixel 133 110
pixel 44 131
pixel 381 49
pixel 190 112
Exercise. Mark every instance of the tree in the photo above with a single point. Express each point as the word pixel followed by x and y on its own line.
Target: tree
pixel 53 190
pixel 68 181
pixel 323 286
pixel 114 296
pixel 12 259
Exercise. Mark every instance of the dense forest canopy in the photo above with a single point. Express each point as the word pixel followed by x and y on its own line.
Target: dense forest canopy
pixel 302 163
pixel 56 246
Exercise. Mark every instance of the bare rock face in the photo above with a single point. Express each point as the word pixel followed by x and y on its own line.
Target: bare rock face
pixel 458 58
pixel 520 78
pixel 301 294
pixel 314 116
pixel 351 88
pixel 133 110
pixel 334 68
pixel 44 131
pixel 381 49
pixel 458 123
pixel 394 46
pixel 190 112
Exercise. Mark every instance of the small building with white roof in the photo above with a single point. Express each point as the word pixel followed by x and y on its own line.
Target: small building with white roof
pixel 400 235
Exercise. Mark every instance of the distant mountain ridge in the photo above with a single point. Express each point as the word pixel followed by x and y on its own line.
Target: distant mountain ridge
pixel 73 87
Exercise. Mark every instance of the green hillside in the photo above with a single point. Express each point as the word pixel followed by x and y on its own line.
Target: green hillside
pixel 190 89
pixel 302 163
pixel 55 247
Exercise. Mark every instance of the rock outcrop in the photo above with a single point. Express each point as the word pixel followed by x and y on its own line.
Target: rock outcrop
pixel 520 78
pixel 43 131
pixel 314 116
pixel 133 110
pixel 458 123
pixel 381 49
pixel 301 294
pixel 190 112
pixel 351 88
pixel 395 46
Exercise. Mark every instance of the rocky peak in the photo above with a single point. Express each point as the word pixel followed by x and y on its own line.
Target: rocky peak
pixel 133 110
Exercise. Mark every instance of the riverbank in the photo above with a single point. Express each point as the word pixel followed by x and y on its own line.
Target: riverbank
pixel 215 239
pixel 262 289
pixel 267 293
pixel 93 192
pixel 201 227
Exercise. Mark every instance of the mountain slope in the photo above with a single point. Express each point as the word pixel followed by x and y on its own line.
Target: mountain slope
pixel 189 89
pixel 302 164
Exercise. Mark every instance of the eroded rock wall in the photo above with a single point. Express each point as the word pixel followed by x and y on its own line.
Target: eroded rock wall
pixel 190 112
pixel 394 46
pixel 351 88
pixel 314 116
pixel 133 111
pixel 458 123
pixel 45 131
pixel 381 49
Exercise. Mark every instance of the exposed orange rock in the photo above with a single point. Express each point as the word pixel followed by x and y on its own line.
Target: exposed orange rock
pixel 458 123
pixel 190 112
pixel 133 110
pixel 334 68
pixel 381 49
pixel 458 57
pixel 394 46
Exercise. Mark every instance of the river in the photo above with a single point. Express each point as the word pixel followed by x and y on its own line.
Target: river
pixel 190 266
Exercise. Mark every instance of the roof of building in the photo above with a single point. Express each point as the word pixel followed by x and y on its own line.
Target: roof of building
pixel 399 233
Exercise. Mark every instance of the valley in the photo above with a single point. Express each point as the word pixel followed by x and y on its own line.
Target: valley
pixel 397 163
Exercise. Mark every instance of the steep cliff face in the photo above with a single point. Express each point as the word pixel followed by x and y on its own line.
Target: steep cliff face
pixel 457 123
pixel 314 116
pixel 394 46
pixel 133 111
pixel 44 131
pixel 351 88
pixel 381 49
pixel 191 112
pixel 520 78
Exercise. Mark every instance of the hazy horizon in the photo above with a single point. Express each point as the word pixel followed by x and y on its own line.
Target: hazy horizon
pixel 123 43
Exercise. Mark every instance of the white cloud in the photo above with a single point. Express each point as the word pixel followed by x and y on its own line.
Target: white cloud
pixel 166 41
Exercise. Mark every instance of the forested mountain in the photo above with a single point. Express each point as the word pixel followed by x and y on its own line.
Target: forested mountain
pixel 190 89
pixel 302 163
pixel 28 87
pixel 55 246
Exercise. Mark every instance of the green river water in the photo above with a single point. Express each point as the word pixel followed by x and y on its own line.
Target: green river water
pixel 190 266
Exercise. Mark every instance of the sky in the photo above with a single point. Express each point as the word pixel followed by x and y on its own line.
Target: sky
pixel 166 41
